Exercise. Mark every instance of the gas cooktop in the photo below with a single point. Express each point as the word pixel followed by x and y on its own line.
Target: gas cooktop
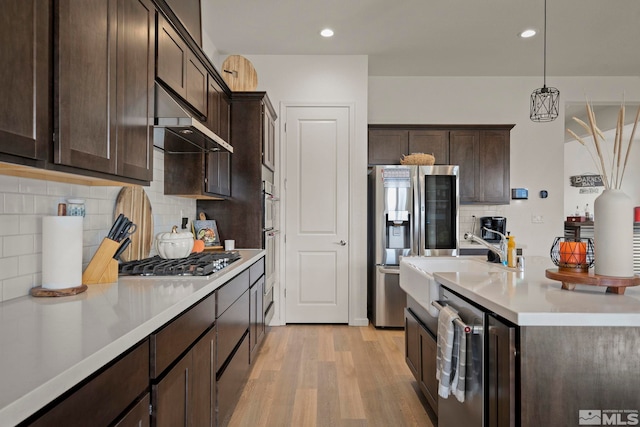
pixel 196 264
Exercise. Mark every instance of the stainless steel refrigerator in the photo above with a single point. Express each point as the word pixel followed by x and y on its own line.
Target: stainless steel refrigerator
pixel 413 210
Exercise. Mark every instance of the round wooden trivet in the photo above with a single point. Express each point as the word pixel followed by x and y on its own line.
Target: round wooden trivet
pixel 39 291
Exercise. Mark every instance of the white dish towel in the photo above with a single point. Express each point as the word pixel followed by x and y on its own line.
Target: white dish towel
pixel 450 355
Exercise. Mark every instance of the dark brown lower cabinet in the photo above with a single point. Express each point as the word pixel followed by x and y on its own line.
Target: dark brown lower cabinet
pixel 412 342
pixel 420 352
pixel 427 379
pixel 231 381
pixel 501 374
pixel 185 396
pixel 233 343
pixel 101 400
pixel 138 416
pixel 256 317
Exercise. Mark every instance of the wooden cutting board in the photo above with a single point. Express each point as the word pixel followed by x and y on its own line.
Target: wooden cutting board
pixel 133 203
pixel 239 74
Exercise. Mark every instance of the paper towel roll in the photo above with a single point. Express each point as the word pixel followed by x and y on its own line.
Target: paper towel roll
pixel 61 252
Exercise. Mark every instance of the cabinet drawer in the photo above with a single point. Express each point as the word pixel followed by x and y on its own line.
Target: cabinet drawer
pixel 256 270
pixel 104 397
pixel 175 337
pixel 230 292
pixel 232 380
pixel 138 416
pixel 232 325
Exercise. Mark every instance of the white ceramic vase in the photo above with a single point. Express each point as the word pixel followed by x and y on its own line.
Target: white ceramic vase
pixel 613 234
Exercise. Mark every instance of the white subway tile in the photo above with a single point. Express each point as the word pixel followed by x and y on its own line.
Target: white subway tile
pixel 17 287
pixel 37 243
pixel 92 206
pixel 81 192
pixel 9 225
pixel 61 189
pixel 17 245
pixel 47 205
pixel 8 267
pixel 105 206
pixel 30 224
pixel 13 203
pixel 98 192
pixel 29 264
pixel 32 186
pixel 9 184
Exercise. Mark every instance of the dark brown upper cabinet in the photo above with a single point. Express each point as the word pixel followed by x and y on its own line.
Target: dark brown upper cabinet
pixel 188 12
pixel 483 157
pixel 105 75
pixel 388 145
pixel 218 109
pixel 268 136
pixel 25 78
pixel 180 69
pixel 435 142
pixel 252 116
pixel 481 151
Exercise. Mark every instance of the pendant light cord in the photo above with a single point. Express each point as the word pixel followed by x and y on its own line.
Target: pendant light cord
pixel 544 67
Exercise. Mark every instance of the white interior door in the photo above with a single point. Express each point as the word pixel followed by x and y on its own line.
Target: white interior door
pixel 317 214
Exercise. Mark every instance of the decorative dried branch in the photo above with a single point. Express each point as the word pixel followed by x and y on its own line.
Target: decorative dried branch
pixel 612 178
pixel 633 133
pixel 594 133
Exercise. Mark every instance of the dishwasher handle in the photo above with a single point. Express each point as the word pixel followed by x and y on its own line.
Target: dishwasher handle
pixel 475 329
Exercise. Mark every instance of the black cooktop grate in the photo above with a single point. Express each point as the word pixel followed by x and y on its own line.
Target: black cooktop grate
pixel 196 264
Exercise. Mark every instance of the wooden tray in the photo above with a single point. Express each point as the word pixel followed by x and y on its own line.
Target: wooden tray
pixel 569 279
pixel 39 291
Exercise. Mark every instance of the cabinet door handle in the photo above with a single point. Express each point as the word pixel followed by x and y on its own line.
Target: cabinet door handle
pixel 186 396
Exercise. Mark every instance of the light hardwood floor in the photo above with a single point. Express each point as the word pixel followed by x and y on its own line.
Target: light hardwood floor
pixel 331 375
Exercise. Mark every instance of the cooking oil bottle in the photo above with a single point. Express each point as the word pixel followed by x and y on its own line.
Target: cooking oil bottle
pixel 511 251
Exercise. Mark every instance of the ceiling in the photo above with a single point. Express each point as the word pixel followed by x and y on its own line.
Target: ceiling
pixel 438 37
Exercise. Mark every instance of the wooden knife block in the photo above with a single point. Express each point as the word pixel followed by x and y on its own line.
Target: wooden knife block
pixel 102 268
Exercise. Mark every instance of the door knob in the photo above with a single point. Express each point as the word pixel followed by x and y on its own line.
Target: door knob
pixel 342 243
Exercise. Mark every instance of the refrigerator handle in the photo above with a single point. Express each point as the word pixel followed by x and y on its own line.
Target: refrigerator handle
pixel 383 270
pixel 417 203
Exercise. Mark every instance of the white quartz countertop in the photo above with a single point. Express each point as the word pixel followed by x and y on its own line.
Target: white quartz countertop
pixel 530 299
pixel 48 345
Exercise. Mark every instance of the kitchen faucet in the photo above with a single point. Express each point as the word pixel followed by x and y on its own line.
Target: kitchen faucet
pixel 501 252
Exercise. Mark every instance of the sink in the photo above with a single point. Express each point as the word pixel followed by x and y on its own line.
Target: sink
pixel 416 275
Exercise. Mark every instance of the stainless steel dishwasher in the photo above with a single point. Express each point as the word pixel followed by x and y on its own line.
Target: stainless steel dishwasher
pixel 471 412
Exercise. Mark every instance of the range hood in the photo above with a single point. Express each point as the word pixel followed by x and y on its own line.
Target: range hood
pixel 177 131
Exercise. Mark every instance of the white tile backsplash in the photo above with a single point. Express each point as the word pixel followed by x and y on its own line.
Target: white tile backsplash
pixel 24 201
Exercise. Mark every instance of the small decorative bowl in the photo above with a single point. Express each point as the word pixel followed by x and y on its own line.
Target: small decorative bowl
pixel 572 254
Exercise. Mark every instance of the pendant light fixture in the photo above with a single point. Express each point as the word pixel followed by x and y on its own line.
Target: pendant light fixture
pixel 545 100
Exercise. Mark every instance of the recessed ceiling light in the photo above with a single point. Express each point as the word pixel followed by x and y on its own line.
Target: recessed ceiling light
pixel 528 33
pixel 327 32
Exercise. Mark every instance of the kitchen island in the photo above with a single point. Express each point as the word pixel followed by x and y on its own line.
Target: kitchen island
pixel 571 352
pixel 50 345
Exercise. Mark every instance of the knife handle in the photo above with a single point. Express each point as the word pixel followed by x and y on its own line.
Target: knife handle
pixel 125 243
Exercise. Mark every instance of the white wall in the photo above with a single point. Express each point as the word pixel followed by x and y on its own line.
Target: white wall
pixel 537 149
pixel 23 203
pixel 325 80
